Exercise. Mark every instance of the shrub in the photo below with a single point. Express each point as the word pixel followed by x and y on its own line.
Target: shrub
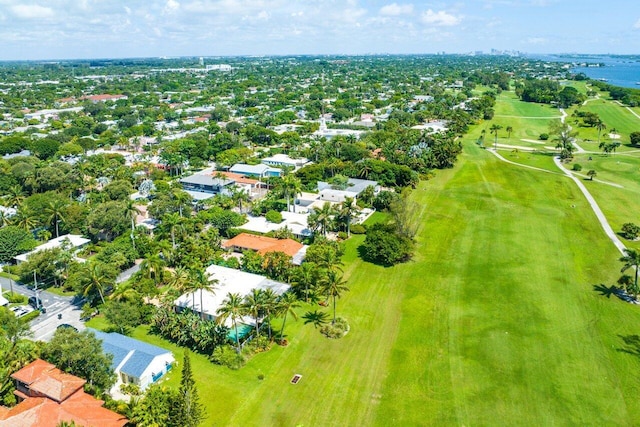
pixel 384 246
pixel 342 235
pixel 577 167
pixel 543 136
pixel 358 229
pixel 226 355
pixel 30 316
pixel 130 389
pixel 15 298
pixel 630 231
pixel 335 330
pixel 274 216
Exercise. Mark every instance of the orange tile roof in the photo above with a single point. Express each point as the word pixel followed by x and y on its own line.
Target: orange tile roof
pixel 58 397
pixel 263 244
pixel 240 179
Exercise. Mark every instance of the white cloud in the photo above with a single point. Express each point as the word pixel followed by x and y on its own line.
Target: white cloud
pixel 637 24
pixel 171 6
pixel 395 9
pixel 440 18
pixel 31 11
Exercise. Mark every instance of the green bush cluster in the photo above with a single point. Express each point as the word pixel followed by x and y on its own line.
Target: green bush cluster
pixel 335 330
pixel 577 167
pixel 15 298
pixel 358 229
pixel 226 355
pixel 274 217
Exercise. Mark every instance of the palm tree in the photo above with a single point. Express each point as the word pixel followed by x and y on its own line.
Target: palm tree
pixel 631 259
pixel 125 292
pixel 239 195
pixel 600 126
pixel 4 219
pixel 509 130
pixel 200 281
pixel 494 130
pixel 26 219
pixel 131 210
pixel 172 222
pixel 153 268
pixel 253 306
pixel 15 196
pixel 306 275
pixel 287 303
pixel 55 210
pixel 334 286
pixel 232 307
pixel 292 186
pixel 269 305
pixel 96 278
pixel 348 209
pixel 322 218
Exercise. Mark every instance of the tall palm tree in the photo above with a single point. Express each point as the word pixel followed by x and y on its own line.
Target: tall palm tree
pixel 171 222
pixel 509 130
pixel 232 307
pixel 26 219
pixel 200 281
pixel 292 186
pixel 494 130
pixel 153 268
pixel 631 259
pixel 306 276
pixel 287 303
pixel 600 126
pixel 240 196
pixel 348 209
pixel 55 210
pixel 253 305
pixel 334 286
pixel 131 210
pixel 269 305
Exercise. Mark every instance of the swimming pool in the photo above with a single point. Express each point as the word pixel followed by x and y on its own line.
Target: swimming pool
pixel 243 331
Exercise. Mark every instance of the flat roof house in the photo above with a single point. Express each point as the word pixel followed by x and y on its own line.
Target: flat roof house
pixel 229 281
pixel 261 170
pixel 280 160
pixel 353 189
pixel 135 362
pixel 202 187
pixel 49 397
pixel 74 241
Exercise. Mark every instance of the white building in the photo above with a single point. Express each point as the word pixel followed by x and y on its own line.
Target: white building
pixel 280 160
pixel 72 241
pixel 135 362
pixel 229 280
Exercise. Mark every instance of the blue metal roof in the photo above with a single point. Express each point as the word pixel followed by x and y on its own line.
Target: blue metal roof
pixel 120 346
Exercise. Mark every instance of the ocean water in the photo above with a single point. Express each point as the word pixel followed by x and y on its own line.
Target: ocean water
pixel 618 71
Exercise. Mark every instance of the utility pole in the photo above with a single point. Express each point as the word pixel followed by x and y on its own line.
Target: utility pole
pixel 35 288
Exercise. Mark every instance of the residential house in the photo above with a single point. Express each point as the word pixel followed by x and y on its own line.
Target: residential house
pixel 71 241
pixel 297 223
pixel 283 160
pixel 49 397
pixel 204 186
pixel 353 189
pixel 261 170
pixel 135 362
pixel 228 280
pixel 263 245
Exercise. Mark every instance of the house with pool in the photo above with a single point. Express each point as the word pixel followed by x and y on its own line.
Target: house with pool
pixel 229 280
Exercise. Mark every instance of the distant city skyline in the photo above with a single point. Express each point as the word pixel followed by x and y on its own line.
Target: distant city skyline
pixel 81 29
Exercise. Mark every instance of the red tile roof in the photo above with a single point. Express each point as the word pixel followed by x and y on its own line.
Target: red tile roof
pixel 263 244
pixel 240 179
pixel 56 397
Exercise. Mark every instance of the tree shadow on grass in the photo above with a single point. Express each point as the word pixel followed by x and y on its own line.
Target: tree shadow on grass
pixel 604 290
pixel 631 345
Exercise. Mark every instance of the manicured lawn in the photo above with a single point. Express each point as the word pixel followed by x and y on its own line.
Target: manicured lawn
pixel 495 321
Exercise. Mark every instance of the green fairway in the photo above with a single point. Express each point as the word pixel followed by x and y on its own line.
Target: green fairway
pixel 496 320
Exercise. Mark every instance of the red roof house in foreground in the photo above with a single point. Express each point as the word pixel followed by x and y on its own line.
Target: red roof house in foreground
pixel 49 396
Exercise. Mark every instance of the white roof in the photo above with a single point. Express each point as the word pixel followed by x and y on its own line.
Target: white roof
pixel 285 159
pixel 229 281
pixel 3 301
pixel 74 239
pixel 296 222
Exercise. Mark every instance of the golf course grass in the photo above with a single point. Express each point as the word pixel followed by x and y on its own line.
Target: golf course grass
pixel 503 317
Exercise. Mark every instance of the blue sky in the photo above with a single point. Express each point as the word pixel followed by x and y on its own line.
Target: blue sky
pixel 58 29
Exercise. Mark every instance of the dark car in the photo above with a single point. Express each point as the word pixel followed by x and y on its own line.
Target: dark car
pixel 35 303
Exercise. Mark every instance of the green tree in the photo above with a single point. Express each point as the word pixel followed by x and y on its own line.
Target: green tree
pixel 287 303
pixel 200 281
pixel 232 308
pixel 564 138
pixel 253 305
pixel 631 259
pixel 509 130
pixel 494 130
pixel 14 240
pixel 80 354
pixel 122 315
pixel 55 211
pixel 316 317
pixel 96 277
pixel 321 219
pixel 190 412
pixel 12 328
pixel 591 174
pixel 291 186
pixel 334 287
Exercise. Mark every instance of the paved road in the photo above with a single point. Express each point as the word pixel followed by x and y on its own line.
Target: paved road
pixel 44 326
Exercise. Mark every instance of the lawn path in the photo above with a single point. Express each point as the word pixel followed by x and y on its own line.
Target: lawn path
pixel 596 209
pixel 630 110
